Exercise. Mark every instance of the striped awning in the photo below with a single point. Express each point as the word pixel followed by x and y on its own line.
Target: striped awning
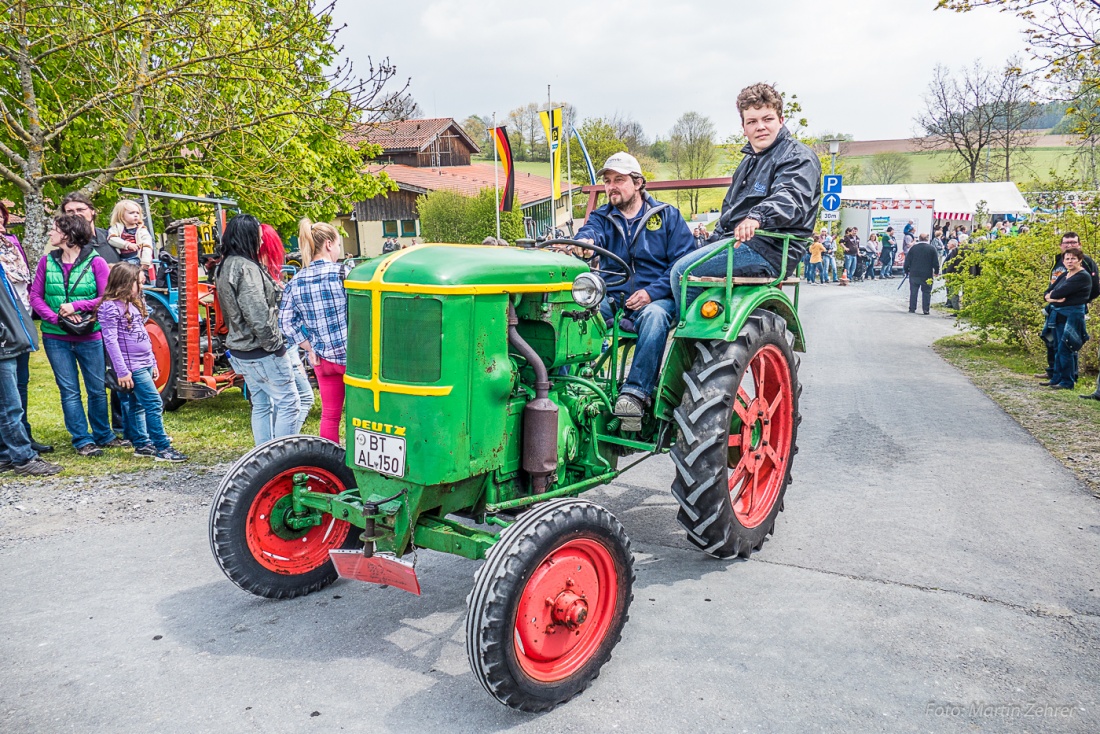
pixel 954 216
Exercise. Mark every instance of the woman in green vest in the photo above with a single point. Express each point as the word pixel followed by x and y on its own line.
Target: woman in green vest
pixel 67 286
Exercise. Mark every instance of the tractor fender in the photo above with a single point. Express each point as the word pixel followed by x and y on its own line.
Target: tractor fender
pixel 695 327
pixel 163 300
pixel 745 300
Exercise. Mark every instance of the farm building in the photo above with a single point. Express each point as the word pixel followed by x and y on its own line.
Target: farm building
pixel 430 155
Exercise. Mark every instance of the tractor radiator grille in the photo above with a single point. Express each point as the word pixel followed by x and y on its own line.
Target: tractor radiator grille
pixel 359 344
pixel 412 339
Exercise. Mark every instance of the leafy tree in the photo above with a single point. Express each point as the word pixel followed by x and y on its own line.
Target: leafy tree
pixel 448 216
pixel 477 127
pixel 889 168
pixel 692 150
pixel 241 98
pixel 600 140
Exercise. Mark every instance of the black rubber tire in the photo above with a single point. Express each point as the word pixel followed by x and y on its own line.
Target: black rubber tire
pixel 231 504
pixel 164 321
pixel 701 454
pixel 500 582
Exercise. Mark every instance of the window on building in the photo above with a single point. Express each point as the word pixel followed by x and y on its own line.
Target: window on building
pixel 389 227
pixel 408 228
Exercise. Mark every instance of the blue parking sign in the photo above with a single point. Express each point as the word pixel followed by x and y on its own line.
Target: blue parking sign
pixel 832 184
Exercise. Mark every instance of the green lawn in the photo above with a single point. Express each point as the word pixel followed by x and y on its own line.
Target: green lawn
pixel 1035 165
pixel 208 431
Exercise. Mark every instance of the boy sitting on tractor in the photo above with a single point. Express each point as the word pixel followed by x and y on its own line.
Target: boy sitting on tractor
pixel 651 236
pixel 776 187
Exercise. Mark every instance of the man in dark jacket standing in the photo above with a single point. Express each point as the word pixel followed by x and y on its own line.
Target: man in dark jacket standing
pixel 922 263
pixel 776 187
pixel 651 236
pixel 17 337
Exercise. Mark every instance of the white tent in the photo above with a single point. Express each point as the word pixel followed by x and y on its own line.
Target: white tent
pixel 952 200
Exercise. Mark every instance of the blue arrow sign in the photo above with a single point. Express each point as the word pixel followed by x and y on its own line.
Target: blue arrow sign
pixel 832 184
pixel 830 202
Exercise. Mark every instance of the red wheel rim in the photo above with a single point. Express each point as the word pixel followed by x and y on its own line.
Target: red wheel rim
pixel 760 437
pixel 281 549
pixel 566 610
pixel 162 353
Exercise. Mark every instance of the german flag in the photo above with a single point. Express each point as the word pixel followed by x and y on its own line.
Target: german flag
pixel 500 137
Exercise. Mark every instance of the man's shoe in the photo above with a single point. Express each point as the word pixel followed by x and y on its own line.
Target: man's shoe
pixel 1060 387
pixel 41 448
pixel 89 450
pixel 925 313
pixel 6 466
pixel 912 310
pixel 170 454
pixel 1042 375
pixel 1046 383
pixel 117 443
pixel 38 468
pixel 148 451
pixel 629 410
pixel 1090 396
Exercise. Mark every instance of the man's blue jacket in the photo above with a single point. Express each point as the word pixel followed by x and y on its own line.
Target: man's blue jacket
pixel 659 241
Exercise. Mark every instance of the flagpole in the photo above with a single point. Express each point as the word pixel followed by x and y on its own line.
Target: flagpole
pixel 496 174
pixel 569 174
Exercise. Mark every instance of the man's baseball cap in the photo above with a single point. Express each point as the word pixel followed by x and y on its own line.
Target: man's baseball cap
pixel 623 163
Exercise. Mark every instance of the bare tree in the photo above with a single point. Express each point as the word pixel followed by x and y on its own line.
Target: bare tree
pixel 630 131
pixel 889 168
pixel 400 106
pixel 961 115
pixel 1018 110
pixel 692 150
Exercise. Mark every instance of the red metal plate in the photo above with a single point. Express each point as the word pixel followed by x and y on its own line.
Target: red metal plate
pixel 378 569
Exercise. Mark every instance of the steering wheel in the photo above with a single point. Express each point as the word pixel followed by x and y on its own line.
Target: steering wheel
pixel 611 278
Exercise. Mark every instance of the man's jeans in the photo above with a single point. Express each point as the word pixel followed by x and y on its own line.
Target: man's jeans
pixel 301 382
pixel 925 289
pixel 747 263
pixel 65 358
pixel 23 377
pixel 275 401
pixel 851 262
pixel 830 266
pixel 888 265
pixel 15 444
pixel 652 325
pixel 144 412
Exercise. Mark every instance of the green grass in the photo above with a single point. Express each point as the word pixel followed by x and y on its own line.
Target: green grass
pixel 1068 427
pixel 1035 165
pixel 210 431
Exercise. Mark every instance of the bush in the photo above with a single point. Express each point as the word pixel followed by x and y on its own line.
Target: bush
pixel 1002 281
pixel 448 216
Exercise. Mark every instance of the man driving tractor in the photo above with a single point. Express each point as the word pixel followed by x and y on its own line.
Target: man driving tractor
pixel 776 187
pixel 650 236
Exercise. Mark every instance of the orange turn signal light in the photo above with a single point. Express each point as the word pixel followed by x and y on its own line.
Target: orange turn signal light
pixel 710 309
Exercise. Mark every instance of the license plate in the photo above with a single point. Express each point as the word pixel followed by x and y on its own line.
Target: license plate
pixel 380 452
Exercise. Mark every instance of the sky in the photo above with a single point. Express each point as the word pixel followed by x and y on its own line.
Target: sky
pixel 858 66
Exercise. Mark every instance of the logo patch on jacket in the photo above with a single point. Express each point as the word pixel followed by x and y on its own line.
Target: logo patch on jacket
pixel 759 188
pixel 653 223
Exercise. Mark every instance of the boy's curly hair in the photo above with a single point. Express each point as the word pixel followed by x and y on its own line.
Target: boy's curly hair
pixel 759 95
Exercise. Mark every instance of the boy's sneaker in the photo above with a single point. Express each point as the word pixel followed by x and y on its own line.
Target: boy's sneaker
pixel 148 451
pixel 89 450
pixel 117 443
pixel 37 468
pixel 170 454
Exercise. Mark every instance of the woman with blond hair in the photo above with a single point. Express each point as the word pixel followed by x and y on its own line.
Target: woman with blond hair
pixel 314 313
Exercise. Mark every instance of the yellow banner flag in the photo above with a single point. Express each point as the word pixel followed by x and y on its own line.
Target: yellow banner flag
pixel 551 123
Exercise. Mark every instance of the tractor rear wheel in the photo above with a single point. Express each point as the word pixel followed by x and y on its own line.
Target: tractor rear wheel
pixel 249 536
pixel 738 424
pixel 549 604
pixel 164 338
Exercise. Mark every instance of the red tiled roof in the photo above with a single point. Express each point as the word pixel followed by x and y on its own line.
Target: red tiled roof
pixel 468 180
pixel 406 135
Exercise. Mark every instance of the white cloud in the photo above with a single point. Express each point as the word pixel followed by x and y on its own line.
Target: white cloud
pixel 858 66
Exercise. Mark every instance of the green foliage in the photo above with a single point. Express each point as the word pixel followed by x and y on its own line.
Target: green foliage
pixel 448 216
pixel 1002 281
pixel 889 168
pixel 243 99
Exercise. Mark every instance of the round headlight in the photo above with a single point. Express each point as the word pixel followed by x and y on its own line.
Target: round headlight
pixel 588 290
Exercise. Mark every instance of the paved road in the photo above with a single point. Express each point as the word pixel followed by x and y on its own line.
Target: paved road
pixel 932 557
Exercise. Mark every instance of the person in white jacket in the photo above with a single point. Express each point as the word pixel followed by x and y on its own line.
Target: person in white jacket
pixel 129 235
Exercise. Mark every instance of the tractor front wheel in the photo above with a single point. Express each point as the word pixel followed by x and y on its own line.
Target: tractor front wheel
pixel 738 423
pixel 549 604
pixel 249 535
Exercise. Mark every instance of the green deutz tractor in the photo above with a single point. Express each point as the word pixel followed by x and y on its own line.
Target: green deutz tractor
pixel 480 390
